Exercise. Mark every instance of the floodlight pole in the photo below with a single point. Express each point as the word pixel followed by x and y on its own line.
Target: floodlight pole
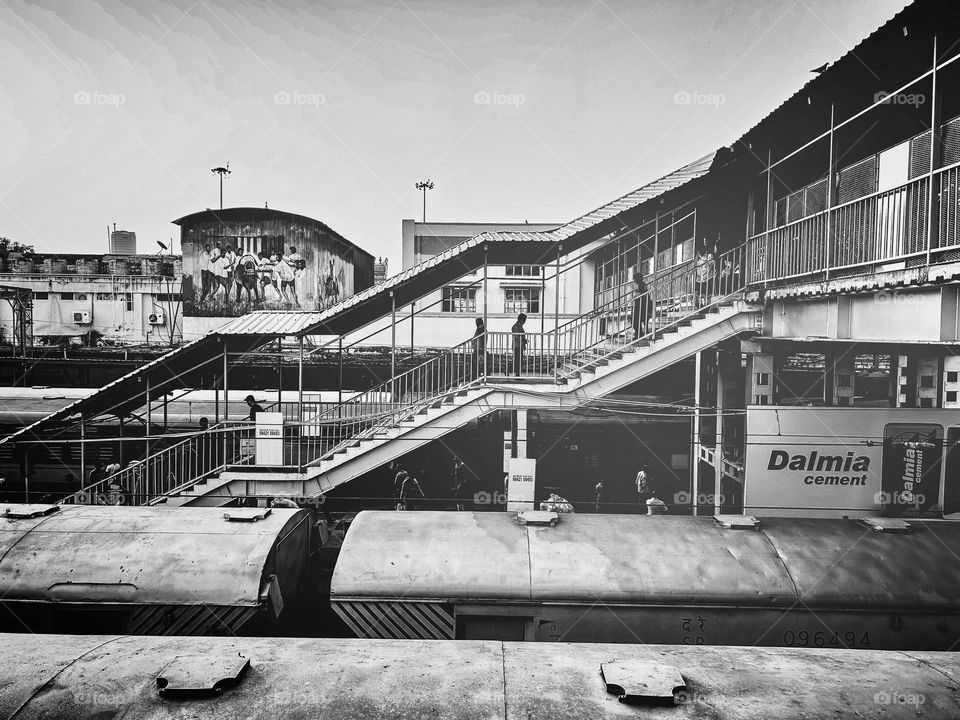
pixel 424 186
pixel 221 171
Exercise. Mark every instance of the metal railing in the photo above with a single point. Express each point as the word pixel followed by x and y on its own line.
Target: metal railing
pixel 172 469
pixel 677 295
pixel 391 402
pixel 883 227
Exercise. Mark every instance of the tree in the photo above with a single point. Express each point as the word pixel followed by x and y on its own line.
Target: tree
pixel 8 246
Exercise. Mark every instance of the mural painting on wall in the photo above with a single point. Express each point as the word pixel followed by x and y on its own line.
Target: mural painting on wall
pixel 231 275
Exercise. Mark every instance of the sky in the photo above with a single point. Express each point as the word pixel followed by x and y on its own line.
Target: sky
pixel 115 112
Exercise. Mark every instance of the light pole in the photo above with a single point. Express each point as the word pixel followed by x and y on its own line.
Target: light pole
pixel 221 171
pixel 424 186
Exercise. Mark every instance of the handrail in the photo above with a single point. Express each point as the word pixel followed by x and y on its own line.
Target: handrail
pixel 394 400
pixel 171 469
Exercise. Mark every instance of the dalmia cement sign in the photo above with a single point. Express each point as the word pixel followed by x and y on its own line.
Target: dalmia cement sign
pixel 831 462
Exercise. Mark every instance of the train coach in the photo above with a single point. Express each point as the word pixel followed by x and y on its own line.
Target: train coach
pixel 68 676
pixel 880 584
pixel 150 571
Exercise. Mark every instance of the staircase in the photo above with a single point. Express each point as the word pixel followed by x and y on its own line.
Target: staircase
pixel 581 361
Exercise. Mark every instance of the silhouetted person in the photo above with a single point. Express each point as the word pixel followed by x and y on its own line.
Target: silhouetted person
pixel 479 342
pixel 254 406
pixel 519 343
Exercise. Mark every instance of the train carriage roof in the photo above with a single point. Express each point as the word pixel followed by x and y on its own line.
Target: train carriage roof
pixel 137 555
pixel 97 676
pixel 647 559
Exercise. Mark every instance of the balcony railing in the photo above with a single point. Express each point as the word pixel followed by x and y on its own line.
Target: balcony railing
pixel 857 236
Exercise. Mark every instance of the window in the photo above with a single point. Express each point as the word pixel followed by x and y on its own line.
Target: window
pixel 523 270
pixel 459 300
pixel 128 297
pixel 41 296
pixel 164 297
pixel 104 296
pixel 521 300
pixel 82 297
pixel 66 296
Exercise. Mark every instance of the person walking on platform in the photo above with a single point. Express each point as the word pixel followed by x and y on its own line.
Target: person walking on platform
pixel 456 489
pixel 644 489
pixel 410 491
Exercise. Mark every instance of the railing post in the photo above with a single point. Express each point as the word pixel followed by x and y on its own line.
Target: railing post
pixel 556 312
pixel 300 405
pixel 393 347
pixel 932 199
pixel 145 470
pixel 83 452
pixel 486 330
pixel 226 404
pixel 831 161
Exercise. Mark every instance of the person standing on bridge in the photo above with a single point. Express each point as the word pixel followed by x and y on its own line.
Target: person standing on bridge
pixel 519 344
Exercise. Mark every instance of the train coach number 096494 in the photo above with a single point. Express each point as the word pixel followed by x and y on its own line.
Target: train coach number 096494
pixel 822 638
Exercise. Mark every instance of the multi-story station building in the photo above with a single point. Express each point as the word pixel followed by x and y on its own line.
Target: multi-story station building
pixel 789 303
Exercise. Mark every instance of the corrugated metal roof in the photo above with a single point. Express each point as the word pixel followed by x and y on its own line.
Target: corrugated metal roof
pixel 920 10
pixel 650 191
pixel 270 322
pixel 246 214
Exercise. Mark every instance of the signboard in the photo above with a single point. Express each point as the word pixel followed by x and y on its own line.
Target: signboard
pixel 521 484
pixel 835 462
pixel 269 436
pixel 912 455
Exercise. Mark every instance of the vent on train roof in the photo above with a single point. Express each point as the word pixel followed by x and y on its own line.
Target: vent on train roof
pixel 737 522
pixel 30 511
pixel 201 674
pixel 639 683
pixel 246 514
pixel 886 525
pixel 538 517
